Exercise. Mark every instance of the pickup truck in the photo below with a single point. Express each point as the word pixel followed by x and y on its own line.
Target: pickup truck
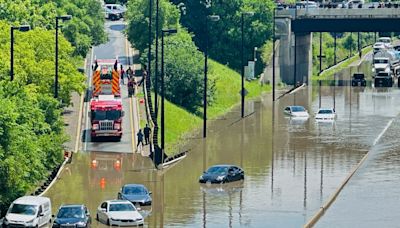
pixel 383 79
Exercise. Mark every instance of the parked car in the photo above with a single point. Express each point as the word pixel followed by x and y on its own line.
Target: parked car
pixel 296 111
pixel 387 41
pixel 119 213
pixel 379 46
pixel 358 80
pixel 112 14
pixel 136 194
pixel 28 211
pixel 325 114
pixel 222 174
pixel 73 215
pixel 116 8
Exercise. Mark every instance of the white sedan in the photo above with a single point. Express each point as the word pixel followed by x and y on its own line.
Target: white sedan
pixel 296 111
pixel 325 114
pixel 119 213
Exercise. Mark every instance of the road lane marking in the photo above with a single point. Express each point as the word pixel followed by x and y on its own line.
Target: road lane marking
pixel 78 129
pixel 333 197
pixel 88 103
pixel 131 124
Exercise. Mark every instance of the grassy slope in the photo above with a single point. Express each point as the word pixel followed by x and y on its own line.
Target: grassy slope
pixel 180 123
pixel 328 74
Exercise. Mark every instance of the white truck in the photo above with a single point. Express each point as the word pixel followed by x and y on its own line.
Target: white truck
pixel 387 61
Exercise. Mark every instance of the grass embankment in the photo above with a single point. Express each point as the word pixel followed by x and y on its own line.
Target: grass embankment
pixel 329 73
pixel 180 123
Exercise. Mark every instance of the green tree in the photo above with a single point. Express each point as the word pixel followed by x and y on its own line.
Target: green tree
pixel 138 17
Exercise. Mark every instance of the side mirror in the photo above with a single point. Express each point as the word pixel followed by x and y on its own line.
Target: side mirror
pixel 53 216
pixel 41 214
pixel 123 113
pixel 150 193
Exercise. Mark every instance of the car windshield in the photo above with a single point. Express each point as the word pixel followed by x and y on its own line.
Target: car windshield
pixel 70 212
pixel 23 209
pixel 381 61
pixel 217 170
pixel 358 76
pixel 325 111
pixel 134 191
pixel 384 40
pixel 298 109
pixel 106 115
pixel 121 207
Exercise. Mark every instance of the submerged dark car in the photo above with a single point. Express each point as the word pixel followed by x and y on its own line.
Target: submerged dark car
pixel 358 80
pixel 72 216
pixel 222 174
pixel 135 193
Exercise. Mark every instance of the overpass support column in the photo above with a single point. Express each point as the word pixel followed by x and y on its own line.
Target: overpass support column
pixel 303 57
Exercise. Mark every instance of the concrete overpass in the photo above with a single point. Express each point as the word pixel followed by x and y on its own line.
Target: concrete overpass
pixel 294 28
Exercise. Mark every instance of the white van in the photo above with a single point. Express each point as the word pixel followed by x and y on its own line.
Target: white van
pixel 28 211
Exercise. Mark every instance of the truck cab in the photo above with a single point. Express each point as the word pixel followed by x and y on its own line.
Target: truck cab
pixel 106 117
pixel 383 79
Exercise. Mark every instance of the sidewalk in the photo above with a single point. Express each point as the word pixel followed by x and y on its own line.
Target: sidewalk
pixel 71 121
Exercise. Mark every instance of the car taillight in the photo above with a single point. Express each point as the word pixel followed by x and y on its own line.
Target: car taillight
pixel 95 126
pixel 117 126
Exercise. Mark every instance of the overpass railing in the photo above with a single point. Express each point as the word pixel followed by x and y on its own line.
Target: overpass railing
pixel 339 13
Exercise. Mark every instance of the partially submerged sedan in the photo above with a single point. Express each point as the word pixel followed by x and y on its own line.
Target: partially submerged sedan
pixel 325 114
pixel 119 213
pixel 296 111
pixel 136 194
pixel 222 174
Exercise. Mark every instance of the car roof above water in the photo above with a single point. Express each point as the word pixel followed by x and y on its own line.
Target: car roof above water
pixel 32 200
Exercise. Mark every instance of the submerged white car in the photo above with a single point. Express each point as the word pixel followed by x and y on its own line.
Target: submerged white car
pixel 119 213
pixel 325 114
pixel 296 111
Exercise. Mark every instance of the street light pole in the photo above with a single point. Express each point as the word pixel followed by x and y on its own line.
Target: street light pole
pixel 273 58
pixel 23 28
pixel 63 18
pixel 156 65
pixel 212 18
pixel 242 58
pixel 170 31
pixel 149 40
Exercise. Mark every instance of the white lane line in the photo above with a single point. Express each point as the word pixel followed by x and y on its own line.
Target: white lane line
pixel 78 129
pixel 383 132
pixel 87 105
pixel 333 197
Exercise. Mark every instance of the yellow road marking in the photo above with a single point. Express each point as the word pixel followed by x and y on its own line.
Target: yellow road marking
pixel 131 119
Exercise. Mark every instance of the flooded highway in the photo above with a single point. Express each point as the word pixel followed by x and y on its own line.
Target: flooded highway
pixel 291 165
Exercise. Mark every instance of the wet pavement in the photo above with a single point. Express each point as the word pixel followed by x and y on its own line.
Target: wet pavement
pixel 291 165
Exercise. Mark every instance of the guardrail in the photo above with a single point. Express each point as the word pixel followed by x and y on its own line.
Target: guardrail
pixel 345 13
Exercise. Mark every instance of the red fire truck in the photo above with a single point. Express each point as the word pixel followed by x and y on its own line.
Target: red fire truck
pixel 106 117
pixel 106 105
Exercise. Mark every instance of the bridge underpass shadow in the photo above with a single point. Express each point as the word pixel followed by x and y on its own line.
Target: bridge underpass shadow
pixel 119 27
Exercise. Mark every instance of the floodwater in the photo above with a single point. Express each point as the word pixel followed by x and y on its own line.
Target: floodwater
pixel 292 165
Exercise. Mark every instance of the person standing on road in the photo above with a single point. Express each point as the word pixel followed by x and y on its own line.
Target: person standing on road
pixel 139 139
pixel 122 74
pixel 147 131
pixel 129 72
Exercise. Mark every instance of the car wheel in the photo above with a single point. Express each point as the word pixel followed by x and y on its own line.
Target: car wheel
pixel 97 217
pixel 108 222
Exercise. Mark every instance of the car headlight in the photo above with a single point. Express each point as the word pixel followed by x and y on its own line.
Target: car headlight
pixel 201 177
pixel 30 221
pixel 81 224
pixel 220 178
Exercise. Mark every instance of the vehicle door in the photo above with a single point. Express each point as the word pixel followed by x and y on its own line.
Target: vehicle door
pixel 41 217
pixel 231 174
pixel 103 212
pixel 236 173
pixel 88 218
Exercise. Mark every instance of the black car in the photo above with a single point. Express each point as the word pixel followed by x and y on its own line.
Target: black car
pixel 222 174
pixel 76 215
pixel 358 80
pixel 135 193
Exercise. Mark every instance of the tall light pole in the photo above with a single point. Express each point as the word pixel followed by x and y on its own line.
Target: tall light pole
pixel 273 57
pixel 156 64
pixel 169 31
pixel 149 40
pixel 63 18
pixel 22 28
pixel 212 18
pixel 242 56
